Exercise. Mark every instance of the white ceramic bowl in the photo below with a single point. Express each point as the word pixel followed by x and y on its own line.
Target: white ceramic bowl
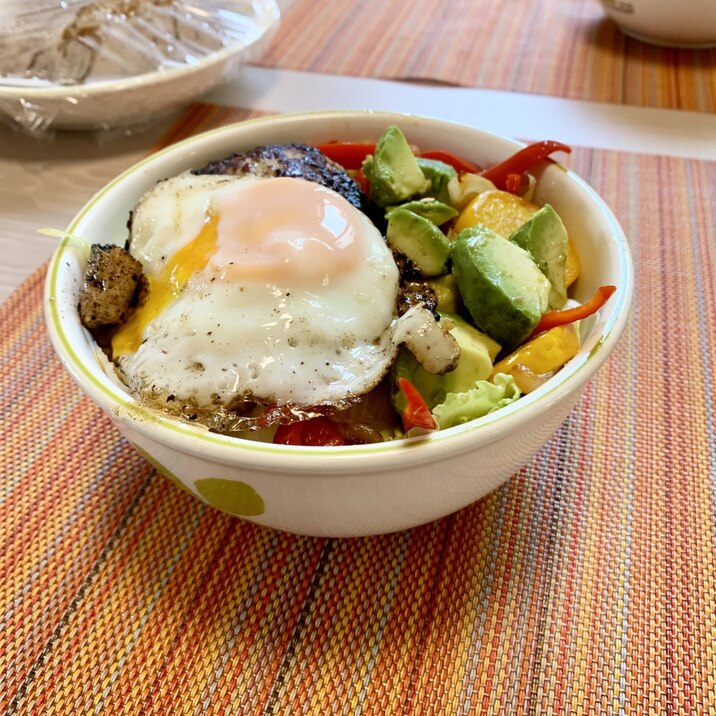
pixel 352 490
pixel 687 23
pixel 111 102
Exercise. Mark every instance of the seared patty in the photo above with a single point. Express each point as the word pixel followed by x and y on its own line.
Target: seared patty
pixel 415 293
pixel 112 286
pixel 289 160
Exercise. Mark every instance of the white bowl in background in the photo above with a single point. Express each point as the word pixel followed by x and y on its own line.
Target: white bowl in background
pixel 350 490
pixel 687 23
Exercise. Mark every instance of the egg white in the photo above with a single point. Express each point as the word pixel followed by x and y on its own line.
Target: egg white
pixel 285 341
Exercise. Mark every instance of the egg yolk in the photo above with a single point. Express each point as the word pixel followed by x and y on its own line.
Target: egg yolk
pixel 285 231
pixel 166 286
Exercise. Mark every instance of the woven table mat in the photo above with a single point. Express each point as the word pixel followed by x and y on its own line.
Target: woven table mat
pixel 585 584
pixel 562 48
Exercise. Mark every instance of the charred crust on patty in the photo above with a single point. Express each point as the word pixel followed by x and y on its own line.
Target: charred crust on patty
pixel 414 287
pixel 408 270
pixel 113 286
pixel 414 293
pixel 299 161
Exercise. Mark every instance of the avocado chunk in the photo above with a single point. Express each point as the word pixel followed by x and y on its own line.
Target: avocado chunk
pixel 439 174
pixel 429 208
pixel 447 293
pixel 545 239
pixel 501 286
pixel 393 171
pixel 477 353
pixel 420 240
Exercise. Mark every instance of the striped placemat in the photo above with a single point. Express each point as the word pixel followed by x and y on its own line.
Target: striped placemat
pixel 562 48
pixel 585 584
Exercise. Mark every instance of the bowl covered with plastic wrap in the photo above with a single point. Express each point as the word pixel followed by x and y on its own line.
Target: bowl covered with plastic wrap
pixel 100 64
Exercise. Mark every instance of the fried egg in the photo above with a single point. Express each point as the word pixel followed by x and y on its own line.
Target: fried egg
pixel 274 290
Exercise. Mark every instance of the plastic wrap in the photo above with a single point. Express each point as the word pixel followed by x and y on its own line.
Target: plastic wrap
pixel 73 64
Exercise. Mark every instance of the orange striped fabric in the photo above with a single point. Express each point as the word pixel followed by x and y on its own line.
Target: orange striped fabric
pixel 562 48
pixel 585 584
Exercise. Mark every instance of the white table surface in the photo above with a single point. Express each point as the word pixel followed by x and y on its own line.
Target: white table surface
pixel 44 182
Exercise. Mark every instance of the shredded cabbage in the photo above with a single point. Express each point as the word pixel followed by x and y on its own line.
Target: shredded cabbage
pixel 484 398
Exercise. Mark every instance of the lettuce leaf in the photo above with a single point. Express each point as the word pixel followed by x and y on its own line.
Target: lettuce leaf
pixel 484 398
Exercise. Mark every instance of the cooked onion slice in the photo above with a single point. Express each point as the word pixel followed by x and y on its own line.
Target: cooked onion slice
pixel 430 342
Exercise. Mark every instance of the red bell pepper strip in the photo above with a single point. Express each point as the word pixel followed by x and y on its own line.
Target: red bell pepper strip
pixel 522 161
pixel 562 318
pixel 458 163
pixel 416 413
pixel 362 180
pixel 349 155
pixel 314 431
pixel 513 183
pixel 289 434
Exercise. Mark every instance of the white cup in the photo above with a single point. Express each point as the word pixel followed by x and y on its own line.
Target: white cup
pixel 675 23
